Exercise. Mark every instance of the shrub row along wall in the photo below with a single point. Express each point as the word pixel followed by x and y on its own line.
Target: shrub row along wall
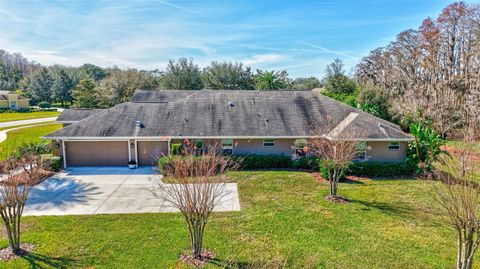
pixel 367 169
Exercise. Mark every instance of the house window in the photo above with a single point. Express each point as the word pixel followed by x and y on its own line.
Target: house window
pixel 361 151
pixel 227 146
pixel 269 143
pixel 394 146
pixel 300 145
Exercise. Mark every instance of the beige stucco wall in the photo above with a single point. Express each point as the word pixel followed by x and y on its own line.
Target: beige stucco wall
pixel 255 146
pixel 23 103
pixel 3 104
pixel 57 148
pixel 378 151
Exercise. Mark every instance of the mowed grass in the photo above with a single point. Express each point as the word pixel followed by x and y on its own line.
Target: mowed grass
pixel 16 138
pixel 24 125
pixel 4 117
pixel 284 223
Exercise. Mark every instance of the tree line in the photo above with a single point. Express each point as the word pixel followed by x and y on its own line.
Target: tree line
pixel 91 86
pixel 431 73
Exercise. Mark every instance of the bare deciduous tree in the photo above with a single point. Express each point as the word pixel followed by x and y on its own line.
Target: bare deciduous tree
pixel 18 176
pixel 458 199
pixel 335 155
pixel 432 72
pixel 199 185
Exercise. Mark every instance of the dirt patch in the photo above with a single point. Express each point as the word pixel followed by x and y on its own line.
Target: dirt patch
pixel 7 254
pixel 337 199
pixel 457 152
pixel 204 258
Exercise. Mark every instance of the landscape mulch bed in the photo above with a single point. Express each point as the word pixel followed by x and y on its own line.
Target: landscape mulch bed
pixel 7 254
pixel 204 258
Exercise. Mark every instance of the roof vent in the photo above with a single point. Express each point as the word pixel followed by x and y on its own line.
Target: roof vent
pixel 230 104
pixel 138 124
pixel 381 125
pixel 267 121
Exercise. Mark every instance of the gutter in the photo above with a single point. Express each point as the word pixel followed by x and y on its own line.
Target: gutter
pixel 166 138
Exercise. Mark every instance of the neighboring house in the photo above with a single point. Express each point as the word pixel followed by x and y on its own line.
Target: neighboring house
pixel 74 115
pixel 13 100
pixel 243 122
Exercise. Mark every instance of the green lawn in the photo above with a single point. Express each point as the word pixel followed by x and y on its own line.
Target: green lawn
pixel 4 117
pixel 24 125
pixel 18 137
pixel 284 221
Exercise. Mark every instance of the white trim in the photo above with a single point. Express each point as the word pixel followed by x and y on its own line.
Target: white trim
pixel 136 154
pixel 64 155
pixel 169 150
pixel 65 121
pixel 166 138
pixel 129 152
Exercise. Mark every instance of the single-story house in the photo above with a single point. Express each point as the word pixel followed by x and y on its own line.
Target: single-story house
pixel 242 122
pixel 13 100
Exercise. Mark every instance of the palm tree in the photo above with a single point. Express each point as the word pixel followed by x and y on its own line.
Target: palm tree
pixel 271 80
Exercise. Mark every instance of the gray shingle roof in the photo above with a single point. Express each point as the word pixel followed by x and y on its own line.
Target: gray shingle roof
pixel 76 114
pixel 159 96
pixel 213 113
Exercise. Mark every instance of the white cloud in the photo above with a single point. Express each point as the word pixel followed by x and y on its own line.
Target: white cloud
pixel 263 59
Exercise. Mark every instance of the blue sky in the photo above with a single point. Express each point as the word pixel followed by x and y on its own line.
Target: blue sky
pixel 300 36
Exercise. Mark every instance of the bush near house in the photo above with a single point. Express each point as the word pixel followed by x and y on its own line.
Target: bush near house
pixel 55 163
pixel 310 163
pixel 44 104
pixel 380 169
pixel 256 162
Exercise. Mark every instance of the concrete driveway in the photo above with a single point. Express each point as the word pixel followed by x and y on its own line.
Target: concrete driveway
pixel 107 190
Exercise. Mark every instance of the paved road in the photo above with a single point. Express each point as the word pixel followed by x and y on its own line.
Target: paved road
pixel 108 190
pixel 3 134
pixel 23 122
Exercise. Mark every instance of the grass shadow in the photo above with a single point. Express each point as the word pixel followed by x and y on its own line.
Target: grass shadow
pixel 351 181
pixel 386 208
pixel 230 264
pixel 42 261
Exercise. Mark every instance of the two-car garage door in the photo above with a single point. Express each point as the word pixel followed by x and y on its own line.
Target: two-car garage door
pixel 112 153
pixel 97 153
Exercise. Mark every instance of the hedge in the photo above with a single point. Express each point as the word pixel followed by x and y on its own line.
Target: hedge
pixel 380 169
pixel 259 162
pixel 44 104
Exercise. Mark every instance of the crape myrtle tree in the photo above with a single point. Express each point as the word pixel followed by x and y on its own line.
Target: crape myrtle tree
pixel 19 175
pixel 458 198
pixel 335 156
pixel 199 185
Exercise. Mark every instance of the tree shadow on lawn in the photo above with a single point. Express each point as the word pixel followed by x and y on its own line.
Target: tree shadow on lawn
pixel 396 210
pixel 43 261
